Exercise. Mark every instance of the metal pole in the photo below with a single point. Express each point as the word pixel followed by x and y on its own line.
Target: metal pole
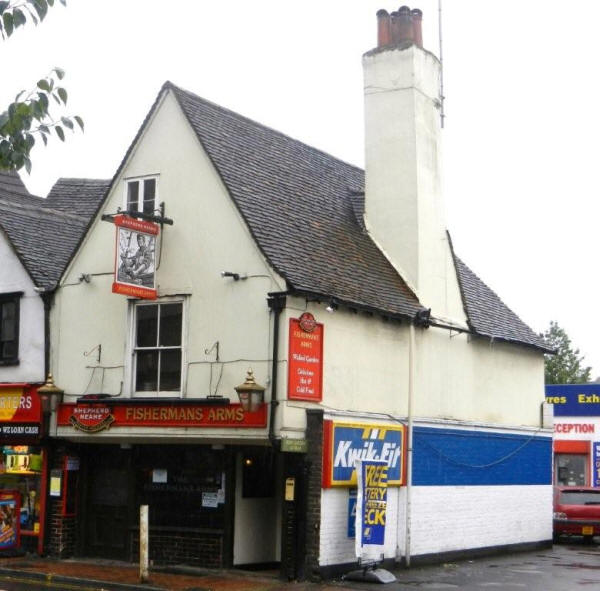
pixel 409 436
pixel 144 543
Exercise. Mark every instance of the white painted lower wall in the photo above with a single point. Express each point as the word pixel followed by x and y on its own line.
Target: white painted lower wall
pixel 444 519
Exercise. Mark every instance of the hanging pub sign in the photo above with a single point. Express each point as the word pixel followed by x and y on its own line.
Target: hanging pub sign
pixel 20 411
pixel 344 443
pixel 135 257
pixel 305 359
pixel 371 509
pixel 95 417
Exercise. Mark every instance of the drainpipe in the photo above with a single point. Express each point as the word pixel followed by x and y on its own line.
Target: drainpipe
pixel 276 302
pixel 409 437
pixel 47 297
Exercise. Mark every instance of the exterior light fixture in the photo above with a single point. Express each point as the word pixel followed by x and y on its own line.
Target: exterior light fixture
pixel 234 276
pixel 332 307
pixel 48 392
pixel 250 393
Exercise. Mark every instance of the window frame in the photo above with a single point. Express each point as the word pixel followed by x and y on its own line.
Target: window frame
pixel 15 297
pixel 132 346
pixel 140 200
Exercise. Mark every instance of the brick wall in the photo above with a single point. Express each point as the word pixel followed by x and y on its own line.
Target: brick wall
pixel 61 535
pixel 176 547
pixel 314 460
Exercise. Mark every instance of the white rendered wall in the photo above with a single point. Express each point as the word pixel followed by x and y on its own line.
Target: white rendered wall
pixel 444 519
pixel 14 278
pixel 208 236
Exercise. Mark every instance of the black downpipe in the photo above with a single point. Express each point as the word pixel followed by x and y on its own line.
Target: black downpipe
pixel 277 304
pixel 47 297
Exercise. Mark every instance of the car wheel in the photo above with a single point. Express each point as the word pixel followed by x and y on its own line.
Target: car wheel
pixel 588 539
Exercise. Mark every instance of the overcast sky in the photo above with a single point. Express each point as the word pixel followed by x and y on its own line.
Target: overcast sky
pixel 520 143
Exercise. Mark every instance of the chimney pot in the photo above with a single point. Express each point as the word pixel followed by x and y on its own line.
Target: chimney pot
pixel 417 19
pixel 402 29
pixel 384 30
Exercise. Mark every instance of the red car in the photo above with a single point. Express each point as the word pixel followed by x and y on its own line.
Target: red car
pixel 576 512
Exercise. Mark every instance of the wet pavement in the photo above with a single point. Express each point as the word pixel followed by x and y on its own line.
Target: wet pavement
pixel 565 567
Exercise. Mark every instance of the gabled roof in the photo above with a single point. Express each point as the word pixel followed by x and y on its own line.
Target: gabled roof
pixel 43 236
pixel 304 208
pixel 78 196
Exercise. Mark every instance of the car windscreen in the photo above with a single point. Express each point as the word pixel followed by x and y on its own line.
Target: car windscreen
pixel 580 497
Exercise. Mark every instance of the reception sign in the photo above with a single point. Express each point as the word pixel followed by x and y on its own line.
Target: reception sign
pixel 344 443
pixel 305 359
pixel 371 508
pixel 95 417
pixel 20 411
pixel 135 257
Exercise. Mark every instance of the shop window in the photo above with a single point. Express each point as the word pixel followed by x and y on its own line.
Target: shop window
pixel 9 328
pixel 157 352
pixel 257 474
pixel 21 470
pixel 571 469
pixel 141 195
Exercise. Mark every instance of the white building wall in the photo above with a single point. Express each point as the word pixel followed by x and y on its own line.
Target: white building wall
pixel 14 278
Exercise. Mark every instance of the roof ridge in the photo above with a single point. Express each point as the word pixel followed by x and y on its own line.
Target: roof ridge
pixel 27 208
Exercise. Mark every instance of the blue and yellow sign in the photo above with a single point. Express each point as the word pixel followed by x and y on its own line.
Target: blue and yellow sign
pixel 344 443
pixel 574 400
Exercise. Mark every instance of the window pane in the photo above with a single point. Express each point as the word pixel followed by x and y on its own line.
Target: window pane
pixel 149 194
pixel 170 325
pixel 7 331
pixel 8 350
pixel 147 325
pixel 146 371
pixel 133 190
pixel 170 370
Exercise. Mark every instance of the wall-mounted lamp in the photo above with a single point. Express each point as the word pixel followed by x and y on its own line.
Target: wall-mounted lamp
pixel 250 393
pixel 234 276
pixel 48 392
pixel 332 307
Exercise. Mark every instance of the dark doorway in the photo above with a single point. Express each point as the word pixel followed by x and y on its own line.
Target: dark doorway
pixel 108 503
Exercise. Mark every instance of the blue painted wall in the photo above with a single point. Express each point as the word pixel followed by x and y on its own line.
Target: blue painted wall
pixel 452 457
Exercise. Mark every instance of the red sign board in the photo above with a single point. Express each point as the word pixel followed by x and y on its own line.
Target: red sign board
pixel 135 257
pixel 95 417
pixel 20 411
pixel 305 359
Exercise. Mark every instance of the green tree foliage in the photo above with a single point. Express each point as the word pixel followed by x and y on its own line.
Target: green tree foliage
pixel 566 367
pixel 28 117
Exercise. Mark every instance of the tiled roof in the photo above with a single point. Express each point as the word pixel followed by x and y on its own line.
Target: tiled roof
pixel 78 196
pixel 304 209
pixel 43 236
pixel 489 316
pixel 296 202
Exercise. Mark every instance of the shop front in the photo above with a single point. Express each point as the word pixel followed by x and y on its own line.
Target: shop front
pixel 207 494
pixel 23 469
pixel 576 433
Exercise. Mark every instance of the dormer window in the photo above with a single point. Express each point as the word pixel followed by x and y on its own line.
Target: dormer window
pixel 141 194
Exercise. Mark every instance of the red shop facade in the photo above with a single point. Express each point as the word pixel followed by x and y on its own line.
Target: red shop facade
pixel 24 475
pixel 119 455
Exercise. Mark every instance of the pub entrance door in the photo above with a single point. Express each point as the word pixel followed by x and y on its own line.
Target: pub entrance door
pixel 108 503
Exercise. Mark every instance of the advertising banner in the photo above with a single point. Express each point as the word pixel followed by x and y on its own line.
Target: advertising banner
pixel 305 359
pixel 135 257
pixel 344 443
pixel 574 400
pixel 20 411
pixel 10 510
pixel 95 417
pixel 596 464
pixel 371 509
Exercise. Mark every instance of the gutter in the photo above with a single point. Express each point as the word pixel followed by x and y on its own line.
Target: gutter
pixel 276 302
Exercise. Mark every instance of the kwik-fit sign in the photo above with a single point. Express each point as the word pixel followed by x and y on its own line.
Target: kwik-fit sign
pixel 344 443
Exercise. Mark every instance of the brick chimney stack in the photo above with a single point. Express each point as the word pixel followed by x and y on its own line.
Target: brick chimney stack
pixel 403 200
